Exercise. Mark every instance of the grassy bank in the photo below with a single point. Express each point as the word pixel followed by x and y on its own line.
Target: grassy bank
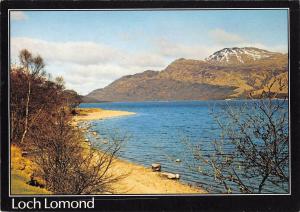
pixel 22 169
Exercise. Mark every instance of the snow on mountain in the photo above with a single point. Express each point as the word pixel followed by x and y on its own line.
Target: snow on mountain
pixel 232 56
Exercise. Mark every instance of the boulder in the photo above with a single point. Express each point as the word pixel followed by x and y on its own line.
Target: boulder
pixel 170 175
pixel 86 140
pixel 24 154
pixel 178 160
pixel 156 167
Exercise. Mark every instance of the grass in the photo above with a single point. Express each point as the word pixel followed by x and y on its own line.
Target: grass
pixel 86 111
pixel 19 185
pixel 21 170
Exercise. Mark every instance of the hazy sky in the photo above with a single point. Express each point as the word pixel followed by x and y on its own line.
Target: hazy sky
pixel 90 49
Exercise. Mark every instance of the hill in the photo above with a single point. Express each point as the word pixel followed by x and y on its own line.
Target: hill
pixel 228 73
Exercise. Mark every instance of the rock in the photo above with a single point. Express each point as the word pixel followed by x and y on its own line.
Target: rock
pixel 86 140
pixel 24 153
pixel 156 167
pixel 35 182
pixel 178 160
pixel 170 175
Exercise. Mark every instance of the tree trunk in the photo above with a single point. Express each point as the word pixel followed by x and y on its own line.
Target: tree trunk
pixel 26 111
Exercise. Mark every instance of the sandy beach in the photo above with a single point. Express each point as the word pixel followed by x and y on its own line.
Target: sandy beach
pixel 88 114
pixel 139 179
pixel 142 180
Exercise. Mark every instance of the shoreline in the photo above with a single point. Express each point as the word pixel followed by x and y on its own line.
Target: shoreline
pixel 139 179
pixel 90 114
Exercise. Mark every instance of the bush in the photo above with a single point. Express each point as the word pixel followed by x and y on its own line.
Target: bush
pixel 66 165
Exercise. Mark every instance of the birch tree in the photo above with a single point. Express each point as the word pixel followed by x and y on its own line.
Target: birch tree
pixel 33 67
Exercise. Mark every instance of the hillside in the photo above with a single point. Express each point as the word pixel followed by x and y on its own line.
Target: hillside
pixel 228 73
pixel 22 168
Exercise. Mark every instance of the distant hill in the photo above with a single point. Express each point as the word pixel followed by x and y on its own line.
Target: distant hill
pixel 228 73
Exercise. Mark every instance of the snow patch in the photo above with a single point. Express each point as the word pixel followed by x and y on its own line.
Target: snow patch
pixel 230 55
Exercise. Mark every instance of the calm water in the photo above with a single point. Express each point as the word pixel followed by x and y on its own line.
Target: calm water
pixel 157 131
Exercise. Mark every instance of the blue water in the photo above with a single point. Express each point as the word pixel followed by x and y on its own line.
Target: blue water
pixel 158 131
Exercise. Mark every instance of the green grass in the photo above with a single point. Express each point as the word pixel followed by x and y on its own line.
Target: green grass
pixel 19 185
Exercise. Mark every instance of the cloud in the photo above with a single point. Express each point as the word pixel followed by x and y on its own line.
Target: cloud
pixel 66 52
pixel 149 60
pixel 225 39
pixel 222 37
pixel 273 48
pixel 17 16
pixel 84 53
pixel 86 66
pixel 85 78
pixel 176 50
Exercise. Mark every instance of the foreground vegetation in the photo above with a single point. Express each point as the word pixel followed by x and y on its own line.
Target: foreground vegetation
pixel 44 142
pixel 252 153
pixel 22 170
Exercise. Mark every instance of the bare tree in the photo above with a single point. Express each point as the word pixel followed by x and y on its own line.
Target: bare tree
pixel 32 66
pixel 40 115
pixel 33 94
pixel 252 153
pixel 66 165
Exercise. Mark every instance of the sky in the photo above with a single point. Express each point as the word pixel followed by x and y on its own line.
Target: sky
pixel 91 49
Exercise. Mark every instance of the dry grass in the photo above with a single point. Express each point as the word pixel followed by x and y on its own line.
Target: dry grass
pixel 86 111
pixel 22 169
pixel 19 185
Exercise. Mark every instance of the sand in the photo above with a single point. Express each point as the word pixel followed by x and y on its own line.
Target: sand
pixel 142 180
pixel 137 179
pixel 96 114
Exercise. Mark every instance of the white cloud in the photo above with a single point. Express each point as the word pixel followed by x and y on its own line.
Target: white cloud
pixel 150 60
pixel 276 48
pixel 175 50
pixel 222 37
pixel 85 78
pixel 84 53
pixel 225 39
pixel 66 52
pixel 86 66
pixel 17 16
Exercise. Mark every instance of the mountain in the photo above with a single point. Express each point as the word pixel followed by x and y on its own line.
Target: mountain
pixel 236 56
pixel 228 73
